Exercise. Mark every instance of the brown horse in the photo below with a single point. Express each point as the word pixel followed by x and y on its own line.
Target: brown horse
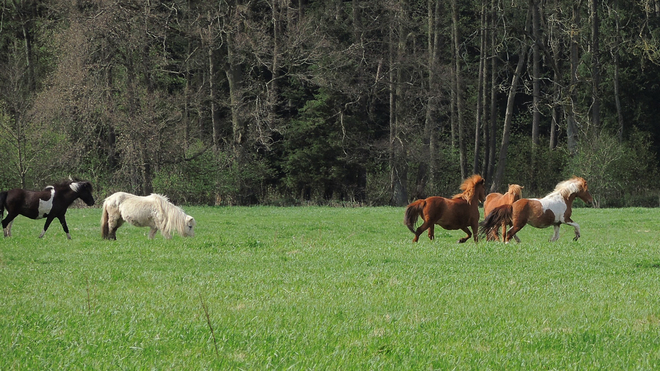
pixel 551 210
pixel 493 200
pixel 459 212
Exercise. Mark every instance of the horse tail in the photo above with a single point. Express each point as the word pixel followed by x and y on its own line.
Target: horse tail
pixel 413 211
pixel 3 200
pixel 499 215
pixel 105 228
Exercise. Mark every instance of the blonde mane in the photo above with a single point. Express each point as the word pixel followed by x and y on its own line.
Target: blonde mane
pixel 570 186
pixel 468 187
pixel 515 190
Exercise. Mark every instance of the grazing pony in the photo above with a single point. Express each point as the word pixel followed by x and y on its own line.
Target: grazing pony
pixel 551 210
pixel 493 200
pixel 50 203
pixel 459 212
pixel 154 211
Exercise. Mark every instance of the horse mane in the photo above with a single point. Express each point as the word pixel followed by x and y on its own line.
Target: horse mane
pixel 515 190
pixel 468 187
pixel 570 186
pixel 172 217
pixel 68 184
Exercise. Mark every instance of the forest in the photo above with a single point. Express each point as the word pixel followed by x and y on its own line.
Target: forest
pixel 341 102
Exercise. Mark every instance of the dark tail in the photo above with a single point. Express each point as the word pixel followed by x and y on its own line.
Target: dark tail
pixel 3 199
pixel 413 211
pixel 492 222
pixel 105 229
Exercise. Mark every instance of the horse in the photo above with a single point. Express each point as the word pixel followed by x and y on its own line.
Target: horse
pixel 458 212
pixel 154 211
pixel 50 203
pixel 493 200
pixel 552 210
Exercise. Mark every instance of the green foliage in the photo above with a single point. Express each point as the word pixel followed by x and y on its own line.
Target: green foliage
pixel 311 159
pixel 619 174
pixel 214 179
pixel 330 288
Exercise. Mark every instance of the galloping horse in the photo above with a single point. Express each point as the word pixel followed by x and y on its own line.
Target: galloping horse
pixel 50 203
pixel 493 200
pixel 459 212
pixel 551 210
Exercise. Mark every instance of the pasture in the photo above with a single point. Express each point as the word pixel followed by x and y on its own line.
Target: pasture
pixel 330 288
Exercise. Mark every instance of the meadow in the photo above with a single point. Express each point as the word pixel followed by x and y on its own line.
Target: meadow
pixel 330 288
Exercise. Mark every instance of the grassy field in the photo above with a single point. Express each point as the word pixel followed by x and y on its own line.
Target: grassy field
pixel 330 288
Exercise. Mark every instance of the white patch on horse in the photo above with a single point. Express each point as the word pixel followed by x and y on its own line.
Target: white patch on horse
pixel 555 203
pixel 46 206
pixel 74 187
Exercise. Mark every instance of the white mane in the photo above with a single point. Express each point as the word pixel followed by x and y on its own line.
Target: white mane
pixel 168 216
pixel 568 187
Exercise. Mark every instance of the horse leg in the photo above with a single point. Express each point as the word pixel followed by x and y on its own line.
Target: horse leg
pixel 62 220
pixel 421 229
pixel 555 236
pixel 577 229
pixel 49 220
pixel 113 224
pixel 469 234
pixel 6 224
pixel 511 234
pixel 432 232
pixel 9 228
pixel 152 233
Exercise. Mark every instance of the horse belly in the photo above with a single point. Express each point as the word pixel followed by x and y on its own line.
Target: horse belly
pixel 137 216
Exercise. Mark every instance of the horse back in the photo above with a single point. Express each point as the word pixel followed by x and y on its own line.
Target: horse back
pixel 491 202
pixel 26 203
pixel 531 211
pixel 456 213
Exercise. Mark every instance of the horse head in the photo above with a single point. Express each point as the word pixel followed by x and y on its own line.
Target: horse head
pixel 583 191
pixel 516 191
pixel 190 224
pixel 84 191
pixel 473 187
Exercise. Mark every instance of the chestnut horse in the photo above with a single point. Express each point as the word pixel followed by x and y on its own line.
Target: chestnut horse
pixel 50 203
pixel 493 200
pixel 459 212
pixel 551 210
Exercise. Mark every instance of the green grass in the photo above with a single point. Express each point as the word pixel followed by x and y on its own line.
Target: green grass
pixel 330 288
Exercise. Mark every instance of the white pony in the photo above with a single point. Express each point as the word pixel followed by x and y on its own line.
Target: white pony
pixel 154 211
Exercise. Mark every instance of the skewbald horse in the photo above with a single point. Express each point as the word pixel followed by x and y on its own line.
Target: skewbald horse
pixel 493 200
pixel 50 203
pixel 459 212
pixel 551 210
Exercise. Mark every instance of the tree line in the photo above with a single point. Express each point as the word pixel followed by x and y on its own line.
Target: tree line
pixel 373 102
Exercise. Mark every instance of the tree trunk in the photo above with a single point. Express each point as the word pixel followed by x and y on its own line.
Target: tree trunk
pixel 493 92
pixel 458 88
pixel 595 66
pixel 480 84
pixel 427 164
pixel 571 130
pixel 501 163
pixel 397 170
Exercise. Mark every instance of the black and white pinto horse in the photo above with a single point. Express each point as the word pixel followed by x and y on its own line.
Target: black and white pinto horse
pixel 50 203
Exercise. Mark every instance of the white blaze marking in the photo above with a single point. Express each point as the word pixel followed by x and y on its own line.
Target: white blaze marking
pixel 45 206
pixel 74 187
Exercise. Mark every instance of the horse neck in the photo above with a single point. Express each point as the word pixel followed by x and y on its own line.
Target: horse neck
pixel 67 195
pixel 474 201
